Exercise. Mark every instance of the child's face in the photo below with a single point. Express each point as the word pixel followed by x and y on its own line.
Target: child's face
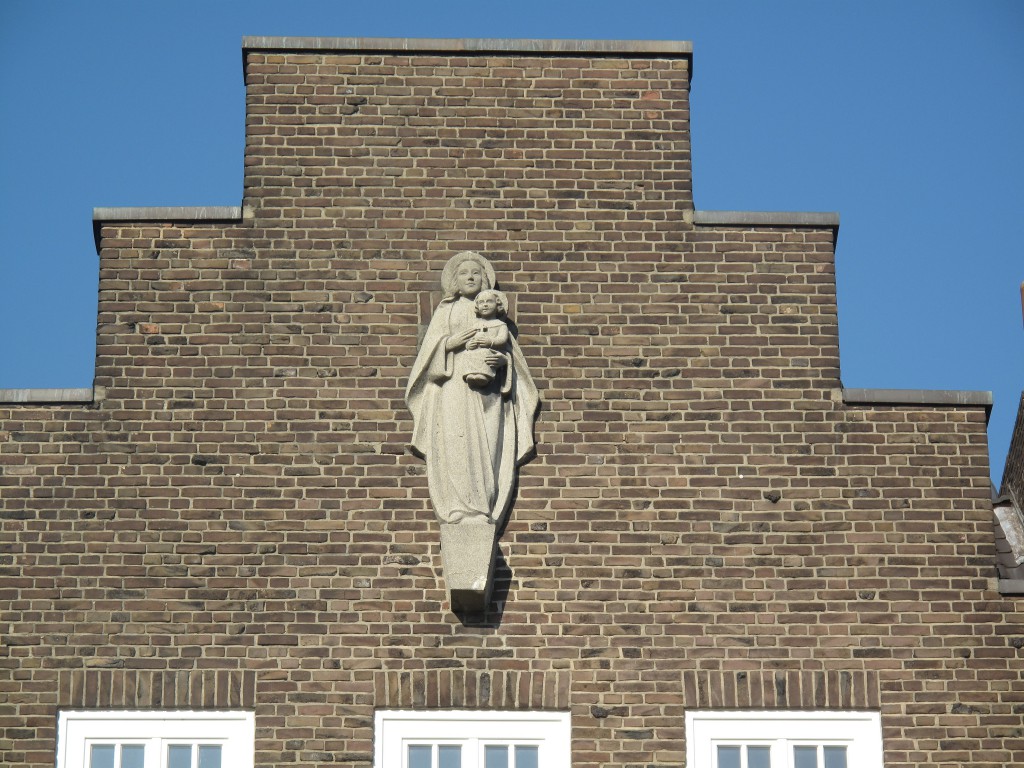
pixel 486 305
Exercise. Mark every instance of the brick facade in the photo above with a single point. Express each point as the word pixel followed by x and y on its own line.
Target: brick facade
pixel 235 519
pixel 1013 473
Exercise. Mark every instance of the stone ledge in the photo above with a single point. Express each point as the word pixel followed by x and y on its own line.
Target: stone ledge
pixel 470 45
pixel 1011 586
pixel 47 396
pixel 169 213
pixel 101 216
pixel 942 398
pixel 766 219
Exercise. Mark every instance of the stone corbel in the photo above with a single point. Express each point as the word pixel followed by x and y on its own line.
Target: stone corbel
pixel 468 554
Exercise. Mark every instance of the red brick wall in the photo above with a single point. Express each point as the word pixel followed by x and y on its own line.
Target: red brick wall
pixel 238 520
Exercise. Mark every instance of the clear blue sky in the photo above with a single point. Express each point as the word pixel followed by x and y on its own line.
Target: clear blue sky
pixel 905 117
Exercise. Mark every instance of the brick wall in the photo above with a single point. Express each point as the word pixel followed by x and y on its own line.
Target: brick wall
pixel 1013 472
pixel 236 519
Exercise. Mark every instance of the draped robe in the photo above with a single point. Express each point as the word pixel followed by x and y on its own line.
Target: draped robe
pixel 473 439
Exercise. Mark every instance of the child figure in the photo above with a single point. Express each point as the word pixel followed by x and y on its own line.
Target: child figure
pixel 491 336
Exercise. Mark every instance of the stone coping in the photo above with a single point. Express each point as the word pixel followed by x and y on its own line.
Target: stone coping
pixel 766 219
pixel 155 214
pixel 941 398
pixel 168 213
pixel 472 45
pixel 47 396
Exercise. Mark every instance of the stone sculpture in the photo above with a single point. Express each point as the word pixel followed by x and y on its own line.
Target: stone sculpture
pixel 491 334
pixel 473 404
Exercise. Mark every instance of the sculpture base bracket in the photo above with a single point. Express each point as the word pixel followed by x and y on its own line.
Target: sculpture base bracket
pixel 467 556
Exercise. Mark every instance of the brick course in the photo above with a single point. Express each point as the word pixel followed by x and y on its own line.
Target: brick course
pixel 236 519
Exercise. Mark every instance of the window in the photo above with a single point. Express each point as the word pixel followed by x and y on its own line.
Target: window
pixel 471 739
pixel 783 739
pixel 155 739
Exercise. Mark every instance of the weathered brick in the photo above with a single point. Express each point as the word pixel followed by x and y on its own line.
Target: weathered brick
pixel 237 523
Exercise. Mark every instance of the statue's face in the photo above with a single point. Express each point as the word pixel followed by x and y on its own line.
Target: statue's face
pixel 469 278
pixel 486 305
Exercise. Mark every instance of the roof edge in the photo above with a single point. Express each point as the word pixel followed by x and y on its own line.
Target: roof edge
pixel 942 398
pixel 471 45
pixel 101 216
pixel 47 396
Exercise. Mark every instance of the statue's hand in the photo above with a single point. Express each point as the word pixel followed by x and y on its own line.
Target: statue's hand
pixel 459 340
pixel 496 360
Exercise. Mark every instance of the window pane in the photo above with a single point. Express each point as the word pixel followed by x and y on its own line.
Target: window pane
pixel 526 757
pixel 835 757
pixel 759 757
pixel 133 756
pixel 179 756
pixel 101 756
pixel 209 756
pixel 419 756
pixel 805 757
pixel 449 756
pixel 728 757
pixel 495 757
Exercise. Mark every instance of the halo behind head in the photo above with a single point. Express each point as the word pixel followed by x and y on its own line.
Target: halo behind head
pixel 448 284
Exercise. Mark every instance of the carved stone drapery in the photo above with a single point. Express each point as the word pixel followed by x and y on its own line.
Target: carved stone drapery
pixel 474 428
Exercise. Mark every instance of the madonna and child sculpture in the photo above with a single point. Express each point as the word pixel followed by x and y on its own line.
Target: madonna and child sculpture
pixel 473 404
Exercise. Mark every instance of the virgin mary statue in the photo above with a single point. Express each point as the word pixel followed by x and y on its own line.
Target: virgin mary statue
pixel 472 436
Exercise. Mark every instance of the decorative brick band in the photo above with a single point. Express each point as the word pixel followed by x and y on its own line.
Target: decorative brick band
pixel 458 689
pixel 781 690
pixel 156 689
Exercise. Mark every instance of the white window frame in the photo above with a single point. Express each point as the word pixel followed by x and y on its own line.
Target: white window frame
pixel 395 729
pixel 78 730
pixel 860 732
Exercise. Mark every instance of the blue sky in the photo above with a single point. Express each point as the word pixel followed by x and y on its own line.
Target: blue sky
pixel 905 117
